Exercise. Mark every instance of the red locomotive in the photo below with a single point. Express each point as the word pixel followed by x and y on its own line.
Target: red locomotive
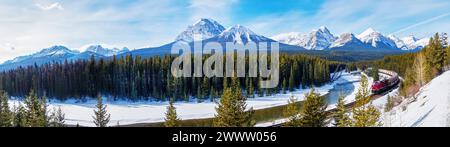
pixel 385 84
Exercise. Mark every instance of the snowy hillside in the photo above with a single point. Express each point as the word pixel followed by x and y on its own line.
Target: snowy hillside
pixel 430 108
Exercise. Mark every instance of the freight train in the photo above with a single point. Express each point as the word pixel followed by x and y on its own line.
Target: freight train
pixel 385 84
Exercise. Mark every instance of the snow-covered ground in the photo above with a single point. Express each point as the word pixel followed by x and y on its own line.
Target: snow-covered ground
pixel 124 112
pixel 353 78
pixel 429 108
pixel 379 103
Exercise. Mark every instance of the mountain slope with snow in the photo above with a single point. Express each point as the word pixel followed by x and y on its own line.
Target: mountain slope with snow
pixel 376 39
pixel 241 35
pixel 319 39
pixel 430 108
pixel 60 54
pixel 349 41
pixel 103 50
pixel 201 30
pixel 52 54
pixel 409 43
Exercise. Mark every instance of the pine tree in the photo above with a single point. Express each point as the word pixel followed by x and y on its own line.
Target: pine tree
pixel 448 55
pixel 284 86
pixel 171 119
pixel 291 80
pixel 101 117
pixel 389 104
pixel 251 89
pixel 363 113
pixel 57 118
pixel 341 118
pixel 231 110
pixel 205 87
pixel 292 113
pixel 20 116
pixel 374 73
pixel 313 112
pixel 5 113
pixel 260 89
pixel 36 114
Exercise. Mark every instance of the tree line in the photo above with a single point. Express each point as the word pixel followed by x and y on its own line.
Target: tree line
pixel 133 78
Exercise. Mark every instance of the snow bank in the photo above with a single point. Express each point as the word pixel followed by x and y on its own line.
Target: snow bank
pixel 429 108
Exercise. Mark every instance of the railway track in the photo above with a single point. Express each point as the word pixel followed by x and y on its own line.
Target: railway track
pixel 350 105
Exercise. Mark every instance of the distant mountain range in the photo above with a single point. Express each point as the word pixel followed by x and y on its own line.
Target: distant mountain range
pixel 322 39
pixel 208 30
pixel 60 53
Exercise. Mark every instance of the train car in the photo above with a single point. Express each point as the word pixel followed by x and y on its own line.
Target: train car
pixel 379 87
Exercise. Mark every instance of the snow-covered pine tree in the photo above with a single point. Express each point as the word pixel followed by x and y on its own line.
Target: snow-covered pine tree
pixel 171 119
pixel 101 117
pixel 57 118
pixel 292 112
pixel 313 112
pixel 5 112
pixel 341 118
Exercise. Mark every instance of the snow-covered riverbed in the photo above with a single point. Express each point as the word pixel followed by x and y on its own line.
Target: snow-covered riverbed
pixel 124 112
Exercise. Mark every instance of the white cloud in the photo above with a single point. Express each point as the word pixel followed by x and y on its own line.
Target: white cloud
pixel 134 24
pixel 54 6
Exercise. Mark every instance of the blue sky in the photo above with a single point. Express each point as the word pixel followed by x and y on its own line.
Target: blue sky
pixel 30 25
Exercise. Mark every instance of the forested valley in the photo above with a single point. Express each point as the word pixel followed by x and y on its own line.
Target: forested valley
pixel 134 78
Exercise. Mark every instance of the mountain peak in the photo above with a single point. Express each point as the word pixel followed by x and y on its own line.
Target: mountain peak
pixel 368 32
pixel 55 50
pixel 204 28
pixel 241 35
pixel 317 39
pixel 346 39
pixel 238 29
pixel 324 29
pixel 104 50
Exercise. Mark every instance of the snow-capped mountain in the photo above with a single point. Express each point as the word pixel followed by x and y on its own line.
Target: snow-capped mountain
pixel 409 43
pixel 398 42
pixel 413 43
pixel 240 34
pixel 57 51
pixel 376 39
pixel 319 39
pixel 201 30
pixel 104 51
pixel 347 40
pixel 60 54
